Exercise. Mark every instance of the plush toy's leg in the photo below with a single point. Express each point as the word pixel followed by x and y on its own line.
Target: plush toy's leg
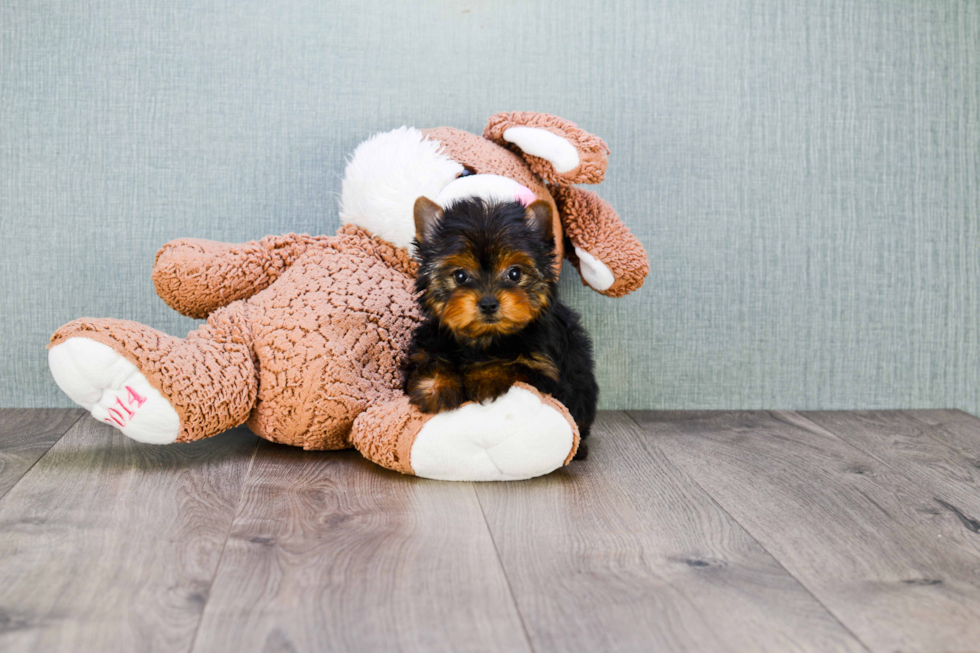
pixel 107 385
pixel 520 435
pixel 154 387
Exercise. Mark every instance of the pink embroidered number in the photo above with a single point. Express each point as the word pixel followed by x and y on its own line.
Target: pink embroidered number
pixel 122 417
pixel 135 396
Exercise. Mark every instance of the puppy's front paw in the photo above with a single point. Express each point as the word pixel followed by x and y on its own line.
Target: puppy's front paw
pixel 487 381
pixel 437 392
pixel 482 393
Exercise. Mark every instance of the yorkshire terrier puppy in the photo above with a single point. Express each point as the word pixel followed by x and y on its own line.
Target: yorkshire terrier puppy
pixel 487 286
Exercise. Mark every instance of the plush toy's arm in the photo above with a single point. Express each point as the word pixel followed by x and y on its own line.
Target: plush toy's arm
pixel 610 259
pixel 521 434
pixel 196 277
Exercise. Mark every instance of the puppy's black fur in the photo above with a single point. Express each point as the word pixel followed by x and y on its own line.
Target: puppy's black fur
pixel 488 288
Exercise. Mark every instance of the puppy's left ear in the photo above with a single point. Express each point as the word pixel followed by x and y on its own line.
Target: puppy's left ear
pixel 555 149
pixel 539 216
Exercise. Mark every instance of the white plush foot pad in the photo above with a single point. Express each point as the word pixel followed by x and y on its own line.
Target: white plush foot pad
pixel 107 385
pixel 594 271
pixel 512 438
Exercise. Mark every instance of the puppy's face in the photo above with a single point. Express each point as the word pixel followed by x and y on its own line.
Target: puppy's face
pixel 486 268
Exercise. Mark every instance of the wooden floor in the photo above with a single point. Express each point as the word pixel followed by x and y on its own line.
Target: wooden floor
pixel 707 531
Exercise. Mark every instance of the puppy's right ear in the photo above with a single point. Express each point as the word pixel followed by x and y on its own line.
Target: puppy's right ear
pixel 539 216
pixel 428 214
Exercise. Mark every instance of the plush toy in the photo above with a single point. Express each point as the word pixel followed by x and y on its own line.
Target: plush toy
pixel 305 335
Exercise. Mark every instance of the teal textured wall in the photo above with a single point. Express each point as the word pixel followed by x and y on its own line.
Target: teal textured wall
pixel 804 174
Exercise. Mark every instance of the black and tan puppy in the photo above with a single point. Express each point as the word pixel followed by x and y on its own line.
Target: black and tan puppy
pixel 488 289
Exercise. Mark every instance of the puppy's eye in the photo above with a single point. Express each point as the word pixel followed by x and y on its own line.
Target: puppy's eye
pixel 514 274
pixel 460 277
pixel 466 173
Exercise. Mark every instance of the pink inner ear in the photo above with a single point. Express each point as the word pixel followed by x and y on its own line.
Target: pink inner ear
pixel 524 195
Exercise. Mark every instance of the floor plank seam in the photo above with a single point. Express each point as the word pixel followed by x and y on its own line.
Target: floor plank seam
pixel 41 457
pixel 224 544
pixel 752 535
pixel 503 570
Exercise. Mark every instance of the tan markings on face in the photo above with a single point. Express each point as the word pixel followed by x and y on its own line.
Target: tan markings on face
pixel 462 316
pixel 516 309
pixel 464 260
pixel 433 304
pixel 460 312
pixel 508 259
pixel 533 288
pixel 444 282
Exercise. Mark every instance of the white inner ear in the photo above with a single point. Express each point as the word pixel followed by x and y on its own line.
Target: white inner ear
pixel 489 187
pixel 543 143
pixel 594 271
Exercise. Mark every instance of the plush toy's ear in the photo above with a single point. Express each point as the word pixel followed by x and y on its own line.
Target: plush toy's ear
pixel 539 216
pixel 610 259
pixel 427 216
pixel 556 149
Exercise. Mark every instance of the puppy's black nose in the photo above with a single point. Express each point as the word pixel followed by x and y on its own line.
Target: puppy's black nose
pixel 488 305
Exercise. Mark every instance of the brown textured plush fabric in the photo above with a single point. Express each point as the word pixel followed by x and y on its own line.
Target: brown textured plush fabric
pixel 305 335
pixel 385 434
pixel 331 338
pixel 593 225
pixel 195 277
pixel 592 150
pixel 299 360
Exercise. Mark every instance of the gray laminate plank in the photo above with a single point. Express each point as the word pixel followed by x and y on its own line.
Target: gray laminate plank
pixel 956 428
pixel 624 552
pixel 921 447
pixel 865 539
pixel 26 434
pixel 111 545
pixel 332 553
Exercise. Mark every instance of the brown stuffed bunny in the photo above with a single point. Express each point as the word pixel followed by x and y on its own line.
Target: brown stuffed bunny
pixel 305 335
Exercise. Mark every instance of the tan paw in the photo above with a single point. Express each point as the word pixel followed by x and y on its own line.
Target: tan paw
pixel 436 393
